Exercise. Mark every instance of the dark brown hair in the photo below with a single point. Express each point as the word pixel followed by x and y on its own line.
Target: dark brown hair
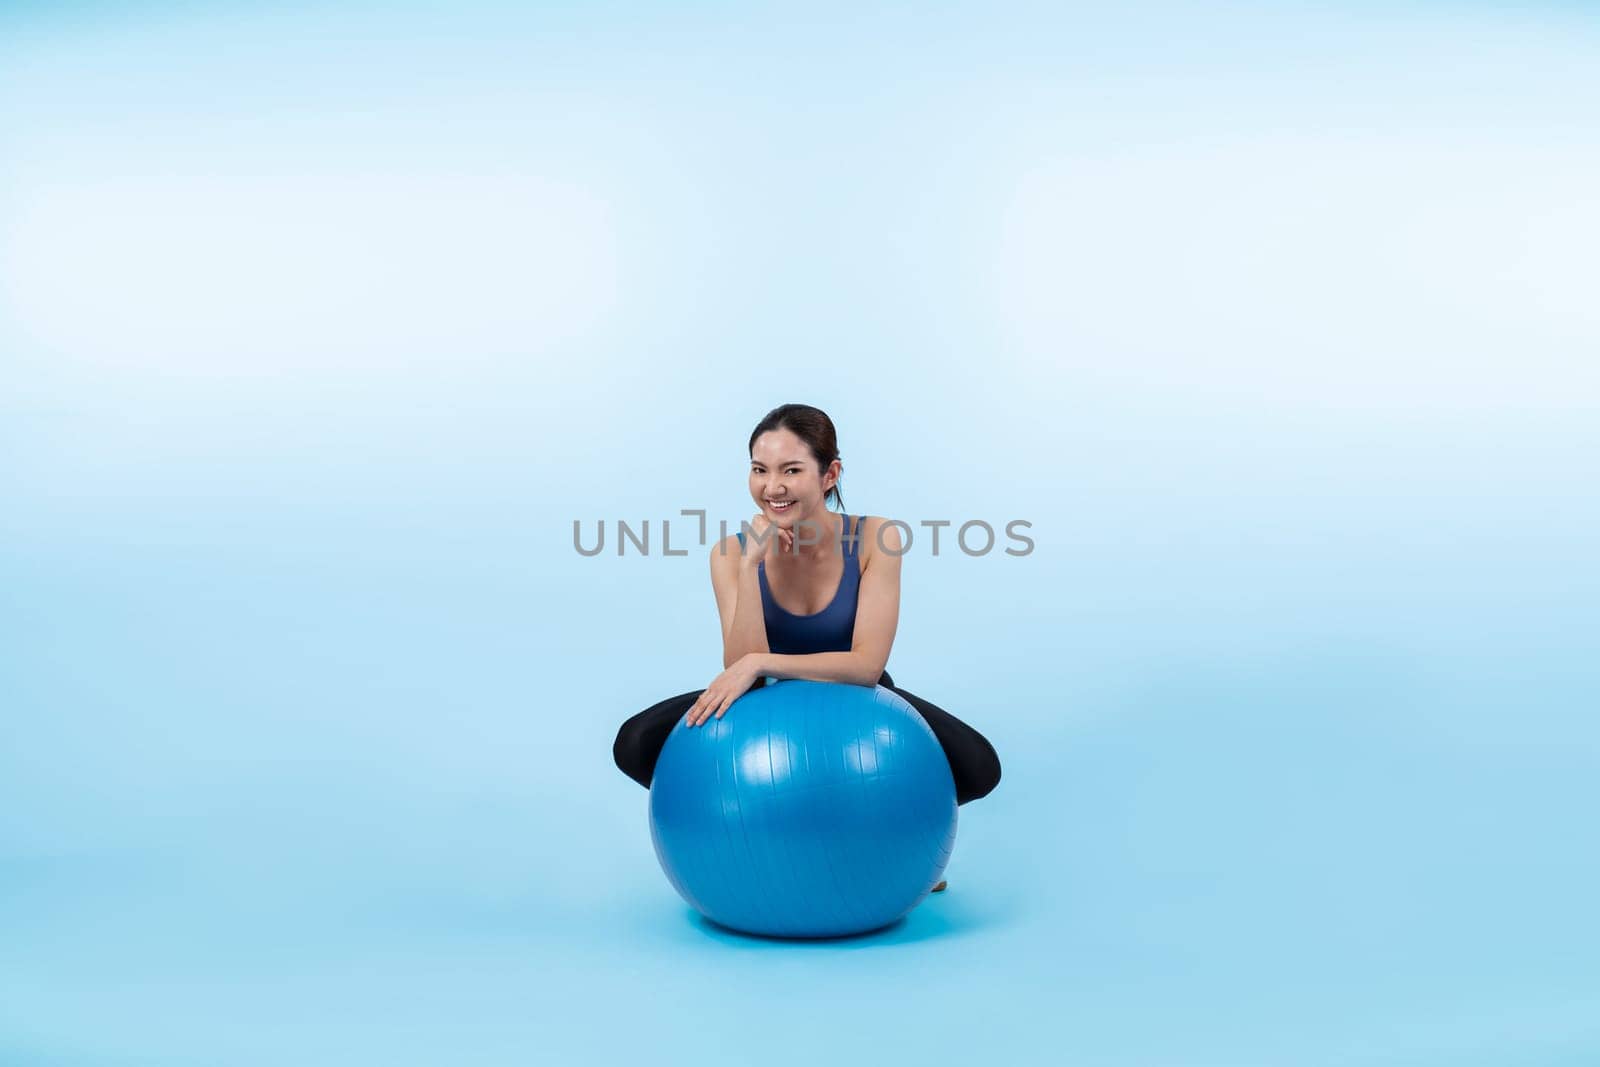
pixel 813 427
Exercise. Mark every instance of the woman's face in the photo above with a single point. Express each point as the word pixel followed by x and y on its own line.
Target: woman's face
pixel 785 481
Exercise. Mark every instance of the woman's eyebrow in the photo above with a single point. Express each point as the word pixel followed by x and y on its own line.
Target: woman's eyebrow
pixel 785 463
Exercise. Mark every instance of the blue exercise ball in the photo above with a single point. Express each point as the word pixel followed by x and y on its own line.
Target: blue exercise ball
pixel 810 809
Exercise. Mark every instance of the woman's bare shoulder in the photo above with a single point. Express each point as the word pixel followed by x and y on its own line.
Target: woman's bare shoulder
pixel 725 552
pixel 880 535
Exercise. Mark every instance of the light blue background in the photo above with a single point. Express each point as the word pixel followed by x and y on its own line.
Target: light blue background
pixel 319 326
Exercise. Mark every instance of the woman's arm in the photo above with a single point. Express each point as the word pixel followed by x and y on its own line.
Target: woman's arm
pixel 848 667
pixel 877 617
pixel 738 590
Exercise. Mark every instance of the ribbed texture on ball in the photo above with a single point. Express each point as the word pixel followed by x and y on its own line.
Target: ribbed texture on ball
pixel 810 809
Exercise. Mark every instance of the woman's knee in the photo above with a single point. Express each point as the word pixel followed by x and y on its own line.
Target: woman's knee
pixel 988 769
pixel 627 751
pixel 639 739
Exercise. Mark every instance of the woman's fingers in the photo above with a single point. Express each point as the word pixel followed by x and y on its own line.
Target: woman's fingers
pixel 710 703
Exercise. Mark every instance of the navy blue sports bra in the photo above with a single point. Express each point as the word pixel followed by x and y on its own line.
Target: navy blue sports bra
pixel 830 630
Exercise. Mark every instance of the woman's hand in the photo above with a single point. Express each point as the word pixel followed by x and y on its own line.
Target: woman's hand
pixel 727 687
pixel 766 540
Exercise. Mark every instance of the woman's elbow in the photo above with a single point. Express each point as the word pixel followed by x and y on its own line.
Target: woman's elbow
pixel 732 654
pixel 872 669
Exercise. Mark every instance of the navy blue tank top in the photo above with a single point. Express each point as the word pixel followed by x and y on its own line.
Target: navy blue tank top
pixel 830 630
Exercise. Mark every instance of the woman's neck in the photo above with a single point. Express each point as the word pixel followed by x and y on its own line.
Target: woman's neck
pixel 828 530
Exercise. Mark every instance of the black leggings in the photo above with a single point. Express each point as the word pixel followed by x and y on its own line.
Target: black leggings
pixel 973 761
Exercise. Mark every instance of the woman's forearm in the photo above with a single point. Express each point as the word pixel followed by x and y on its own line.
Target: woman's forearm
pixel 748 634
pixel 852 668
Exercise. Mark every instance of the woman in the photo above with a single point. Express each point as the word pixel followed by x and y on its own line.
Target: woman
pixel 812 594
